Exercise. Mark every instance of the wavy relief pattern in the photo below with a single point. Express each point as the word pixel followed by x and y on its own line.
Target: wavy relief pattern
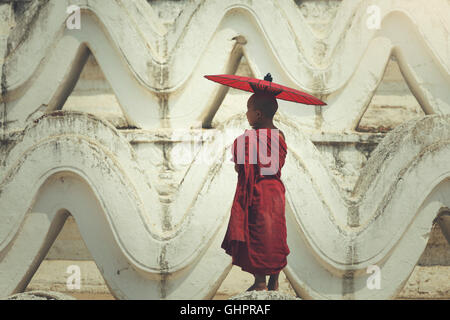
pixel 91 172
pixel 76 164
pixel 157 73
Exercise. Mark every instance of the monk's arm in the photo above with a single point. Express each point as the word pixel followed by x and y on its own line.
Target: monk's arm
pixel 236 167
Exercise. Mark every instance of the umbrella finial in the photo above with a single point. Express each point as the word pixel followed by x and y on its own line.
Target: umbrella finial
pixel 268 77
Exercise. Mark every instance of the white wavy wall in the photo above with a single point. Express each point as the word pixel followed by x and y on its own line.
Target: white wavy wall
pixel 367 176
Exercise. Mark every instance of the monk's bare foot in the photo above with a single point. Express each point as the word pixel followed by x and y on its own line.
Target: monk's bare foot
pixel 259 284
pixel 258 287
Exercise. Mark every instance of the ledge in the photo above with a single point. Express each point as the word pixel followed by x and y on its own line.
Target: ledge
pixel 176 135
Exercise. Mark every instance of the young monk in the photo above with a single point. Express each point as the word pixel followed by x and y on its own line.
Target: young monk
pixel 256 237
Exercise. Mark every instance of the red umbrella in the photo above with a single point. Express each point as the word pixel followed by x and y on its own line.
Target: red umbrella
pixel 266 85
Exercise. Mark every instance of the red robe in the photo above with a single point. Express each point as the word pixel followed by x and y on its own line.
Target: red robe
pixel 256 237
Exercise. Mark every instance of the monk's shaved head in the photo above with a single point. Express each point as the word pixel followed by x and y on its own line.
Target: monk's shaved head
pixel 266 103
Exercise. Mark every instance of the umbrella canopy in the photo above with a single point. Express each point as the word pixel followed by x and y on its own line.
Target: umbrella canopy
pixel 267 86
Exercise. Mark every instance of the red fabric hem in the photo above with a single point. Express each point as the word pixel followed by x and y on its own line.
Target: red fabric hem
pixel 266 272
pixel 239 254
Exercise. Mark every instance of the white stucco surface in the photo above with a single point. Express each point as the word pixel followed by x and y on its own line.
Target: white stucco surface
pixel 138 151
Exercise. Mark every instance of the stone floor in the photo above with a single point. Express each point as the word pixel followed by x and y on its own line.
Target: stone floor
pixel 431 282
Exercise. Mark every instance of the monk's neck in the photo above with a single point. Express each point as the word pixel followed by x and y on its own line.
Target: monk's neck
pixel 268 125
